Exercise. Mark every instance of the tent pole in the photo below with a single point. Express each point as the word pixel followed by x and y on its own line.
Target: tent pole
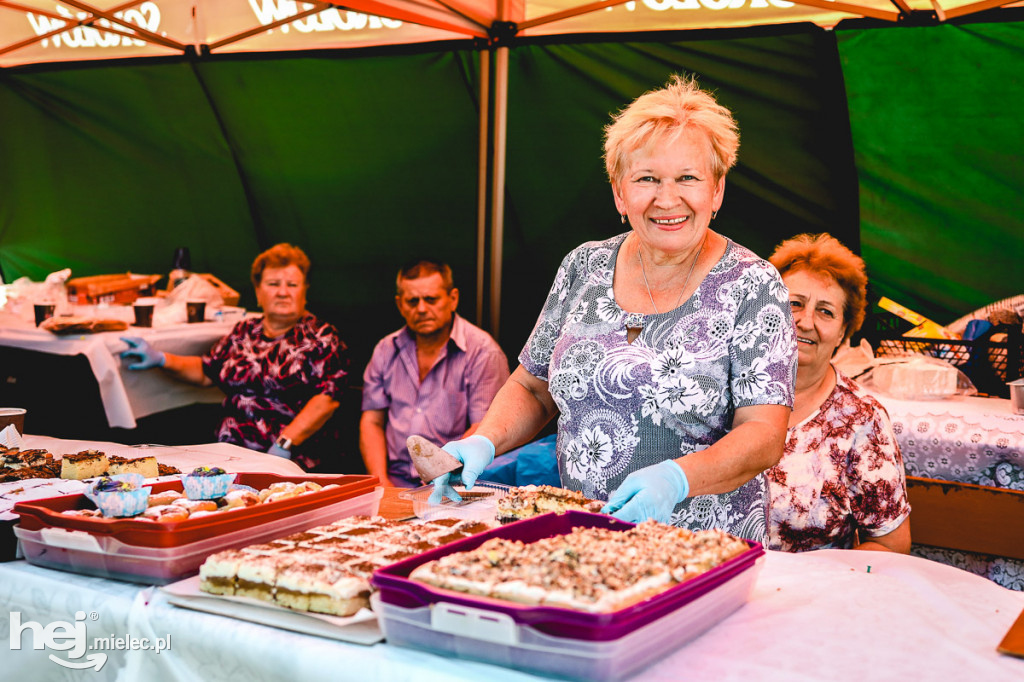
pixel 481 187
pixel 501 55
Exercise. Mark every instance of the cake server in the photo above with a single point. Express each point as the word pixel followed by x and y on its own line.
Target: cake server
pixel 430 461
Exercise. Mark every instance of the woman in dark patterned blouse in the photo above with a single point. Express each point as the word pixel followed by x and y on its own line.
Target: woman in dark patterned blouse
pixel 283 373
pixel 841 477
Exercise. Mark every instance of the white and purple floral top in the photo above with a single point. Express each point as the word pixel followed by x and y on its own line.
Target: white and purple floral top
pixel 674 390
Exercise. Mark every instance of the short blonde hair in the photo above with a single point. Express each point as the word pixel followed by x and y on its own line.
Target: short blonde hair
pixel 280 256
pixel 825 255
pixel 661 115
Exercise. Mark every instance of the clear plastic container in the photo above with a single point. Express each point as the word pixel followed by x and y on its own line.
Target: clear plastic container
pixel 107 557
pixel 483 634
pixel 478 504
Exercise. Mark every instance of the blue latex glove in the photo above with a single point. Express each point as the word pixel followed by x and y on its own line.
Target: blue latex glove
pixel 278 451
pixel 650 493
pixel 147 355
pixel 475 453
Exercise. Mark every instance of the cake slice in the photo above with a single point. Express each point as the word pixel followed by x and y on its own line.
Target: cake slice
pixel 147 466
pixel 218 573
pixel 85 464
pixel 257 575
pixel 532 500
pixel 321 588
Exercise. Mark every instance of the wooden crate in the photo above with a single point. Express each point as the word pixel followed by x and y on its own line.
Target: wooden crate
pixel 120 288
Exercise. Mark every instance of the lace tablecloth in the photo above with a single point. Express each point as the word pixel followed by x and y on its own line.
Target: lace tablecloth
pixel 970 440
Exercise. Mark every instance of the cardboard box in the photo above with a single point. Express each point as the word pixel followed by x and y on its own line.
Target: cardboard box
pixel 120 288
pixel 229 295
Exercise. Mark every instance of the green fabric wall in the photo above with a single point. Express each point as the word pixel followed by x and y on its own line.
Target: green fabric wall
pixel 366 160
pixel 935 114
pixel 362 162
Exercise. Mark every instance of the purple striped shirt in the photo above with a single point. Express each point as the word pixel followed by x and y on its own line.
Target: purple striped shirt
pixel 455 393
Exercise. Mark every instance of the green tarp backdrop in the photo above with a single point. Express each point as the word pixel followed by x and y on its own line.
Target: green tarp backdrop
pixel 366 159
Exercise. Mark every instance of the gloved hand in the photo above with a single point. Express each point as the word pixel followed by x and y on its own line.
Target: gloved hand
pixel 147 355
pixel 475 453
pixel 278 451
pixel 649 493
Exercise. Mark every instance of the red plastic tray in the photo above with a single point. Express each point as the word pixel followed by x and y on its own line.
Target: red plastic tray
pixel 396 588
pixel 46 513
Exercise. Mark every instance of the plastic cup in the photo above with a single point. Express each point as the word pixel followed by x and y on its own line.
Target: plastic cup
pixel 1017 395
pixel 196 311
pixel 143 313
pixel 13 415
pixel 44 311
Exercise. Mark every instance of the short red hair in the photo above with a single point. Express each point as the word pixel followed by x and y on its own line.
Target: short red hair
pixel 823 254
pixel 280 256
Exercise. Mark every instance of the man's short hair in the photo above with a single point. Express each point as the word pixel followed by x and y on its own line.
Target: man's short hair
pixel 425 267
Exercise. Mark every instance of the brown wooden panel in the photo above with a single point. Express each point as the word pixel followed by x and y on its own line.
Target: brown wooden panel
pixel 973 518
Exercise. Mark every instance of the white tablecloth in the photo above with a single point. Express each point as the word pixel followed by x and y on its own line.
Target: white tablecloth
pixel 127 395
pixel 813 616
pixel 957 439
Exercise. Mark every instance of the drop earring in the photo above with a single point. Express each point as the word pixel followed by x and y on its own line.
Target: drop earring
pixel 623 217
pixel 714 214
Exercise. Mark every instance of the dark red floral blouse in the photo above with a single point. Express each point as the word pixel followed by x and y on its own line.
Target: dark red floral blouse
pixel 268 381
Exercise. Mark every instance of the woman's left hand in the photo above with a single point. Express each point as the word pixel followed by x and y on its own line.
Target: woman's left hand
pixel 650 493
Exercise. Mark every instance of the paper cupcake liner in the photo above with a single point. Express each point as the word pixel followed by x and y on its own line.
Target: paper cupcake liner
pixel 207 487
pixel 122 502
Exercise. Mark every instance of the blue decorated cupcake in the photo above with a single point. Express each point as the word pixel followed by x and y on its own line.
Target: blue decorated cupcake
pixel 119 495
pixel 207 483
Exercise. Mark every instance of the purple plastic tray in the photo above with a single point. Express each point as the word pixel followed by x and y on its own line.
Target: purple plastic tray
pixel 396 588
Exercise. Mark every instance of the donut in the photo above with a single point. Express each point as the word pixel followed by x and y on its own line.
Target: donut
pixel 282 495
pixel 281 487
pixel 84 512
pixel 166 497
pixel 166 513
pixel 240 498
pixel 308 487
pixel 195 505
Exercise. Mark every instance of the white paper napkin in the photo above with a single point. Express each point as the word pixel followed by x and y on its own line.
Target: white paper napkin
pixel 10 438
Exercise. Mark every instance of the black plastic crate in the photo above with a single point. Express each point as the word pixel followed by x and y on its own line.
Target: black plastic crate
pixel 987 362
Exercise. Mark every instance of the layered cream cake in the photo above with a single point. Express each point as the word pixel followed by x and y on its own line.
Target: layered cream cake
pixel 532 500
pixel 326 569
pixel 590 569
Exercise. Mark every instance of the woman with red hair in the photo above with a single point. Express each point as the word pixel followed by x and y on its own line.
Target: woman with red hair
pixel 840 482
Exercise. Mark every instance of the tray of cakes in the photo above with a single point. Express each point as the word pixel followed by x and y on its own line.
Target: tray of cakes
pixel 163 532
pixel 316 581
pixel 576 594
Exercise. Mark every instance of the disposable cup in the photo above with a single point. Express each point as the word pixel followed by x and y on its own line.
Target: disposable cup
pixel 13 415
pixel 196 311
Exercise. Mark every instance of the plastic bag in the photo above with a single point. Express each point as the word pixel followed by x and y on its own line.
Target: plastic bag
pixel 916 377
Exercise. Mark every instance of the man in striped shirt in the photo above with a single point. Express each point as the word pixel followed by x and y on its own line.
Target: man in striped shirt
pixel 435 377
